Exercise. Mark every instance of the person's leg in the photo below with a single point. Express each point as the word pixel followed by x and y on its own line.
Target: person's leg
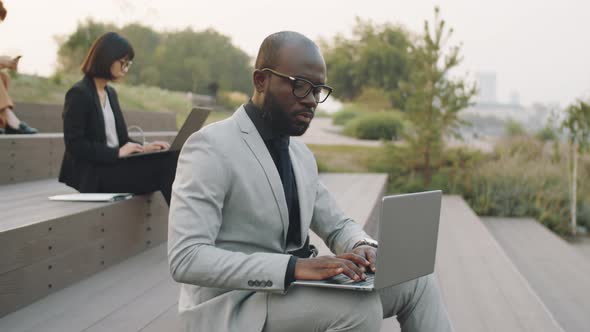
pixel 5 101
pixel 9 120
pixel 417 304
pixel 323 309
pixel 140 175
pixel 168 174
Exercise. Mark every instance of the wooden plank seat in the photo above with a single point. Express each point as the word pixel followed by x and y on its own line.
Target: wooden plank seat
pixel 35 157
pixel 138 294
pixel 47 118
pixel 49 245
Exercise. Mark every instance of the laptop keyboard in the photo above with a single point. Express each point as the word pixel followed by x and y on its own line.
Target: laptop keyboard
pixel 343 279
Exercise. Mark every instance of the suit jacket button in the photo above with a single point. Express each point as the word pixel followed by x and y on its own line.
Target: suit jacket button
pixel 256 283
pixel 250 283
pixel 269 283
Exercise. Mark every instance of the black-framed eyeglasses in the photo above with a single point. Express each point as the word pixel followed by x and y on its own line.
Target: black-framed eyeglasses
pixel 125 64
pixel 302 87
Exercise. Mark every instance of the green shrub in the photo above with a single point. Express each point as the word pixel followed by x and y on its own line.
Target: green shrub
pixel 514 128
pixel 382 125
pixel 546 134
pixel 342 117
pixel 520 179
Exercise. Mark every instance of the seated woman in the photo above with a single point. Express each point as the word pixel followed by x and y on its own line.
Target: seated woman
pixel 9 123
pixel 95 131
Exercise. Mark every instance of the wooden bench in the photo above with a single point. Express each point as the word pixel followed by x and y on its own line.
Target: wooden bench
pixel 48 118
pixel 39 156
pixel 138 294
pixel 49 245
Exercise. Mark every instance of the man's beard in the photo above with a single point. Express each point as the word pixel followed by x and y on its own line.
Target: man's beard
pixel 281 121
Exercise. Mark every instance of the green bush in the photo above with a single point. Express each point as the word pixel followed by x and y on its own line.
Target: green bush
pixel 546 134
pixel 342 117
pixel 514 128
pixel 382 125
pixel 520 179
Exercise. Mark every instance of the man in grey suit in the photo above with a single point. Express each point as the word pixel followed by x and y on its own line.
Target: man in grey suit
pixel 244 199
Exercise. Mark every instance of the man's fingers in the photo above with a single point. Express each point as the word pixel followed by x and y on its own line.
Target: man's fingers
pixel 372 257
pixel 357 259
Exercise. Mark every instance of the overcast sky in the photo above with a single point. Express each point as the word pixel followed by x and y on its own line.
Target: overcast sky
pixel 540 49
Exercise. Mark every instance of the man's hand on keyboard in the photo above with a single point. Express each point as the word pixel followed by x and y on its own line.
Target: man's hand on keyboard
pixel 369 253
pixel 324 267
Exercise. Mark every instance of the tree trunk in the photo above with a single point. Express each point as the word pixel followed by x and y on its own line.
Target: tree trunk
pixel 574 186
pixel 427 170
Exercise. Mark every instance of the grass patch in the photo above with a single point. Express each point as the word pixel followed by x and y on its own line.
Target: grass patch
pixel 344 158
pixel 43 90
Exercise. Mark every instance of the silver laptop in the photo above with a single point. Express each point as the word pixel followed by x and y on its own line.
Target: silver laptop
pixel 408 233
pixel 193 123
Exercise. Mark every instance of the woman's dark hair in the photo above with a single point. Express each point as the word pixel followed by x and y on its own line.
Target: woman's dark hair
pixel 105 50
pixel 2 11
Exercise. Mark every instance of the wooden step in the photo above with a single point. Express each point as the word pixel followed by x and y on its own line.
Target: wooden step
pixel 48 118
pixel 39 156
pixel 558 273
pixel 138 294
pixel 48 245
pixel 482 288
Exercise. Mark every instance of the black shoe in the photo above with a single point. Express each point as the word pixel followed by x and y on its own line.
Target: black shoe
pixel 23 128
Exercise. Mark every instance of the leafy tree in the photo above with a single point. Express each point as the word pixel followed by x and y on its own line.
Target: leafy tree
pixel 432 99
pixel 181 60
pixel 577 125
pixel 73 48
pixel 376 57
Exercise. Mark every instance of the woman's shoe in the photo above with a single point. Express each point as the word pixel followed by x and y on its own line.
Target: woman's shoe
pixel 23 128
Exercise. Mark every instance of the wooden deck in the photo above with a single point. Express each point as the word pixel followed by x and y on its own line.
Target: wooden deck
pixel 139 294
pixel 49 245
pixel 558 273
pixel 482 288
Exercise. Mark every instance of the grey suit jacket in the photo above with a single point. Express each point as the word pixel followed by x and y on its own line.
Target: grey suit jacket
pixel 228 224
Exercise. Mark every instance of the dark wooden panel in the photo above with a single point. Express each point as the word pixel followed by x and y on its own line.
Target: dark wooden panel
pixel 64 250
pixel 48 117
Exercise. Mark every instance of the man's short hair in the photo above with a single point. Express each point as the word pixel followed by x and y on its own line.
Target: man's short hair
pixel 105 50
pixel 268 54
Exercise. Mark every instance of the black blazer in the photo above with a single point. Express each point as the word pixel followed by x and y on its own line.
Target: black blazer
pixel 85 136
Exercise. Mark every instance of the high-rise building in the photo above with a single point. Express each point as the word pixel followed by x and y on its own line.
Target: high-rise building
pixel 486 84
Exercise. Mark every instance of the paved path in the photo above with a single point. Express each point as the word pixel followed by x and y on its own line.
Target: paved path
pixel 322 131
pixel 558 273
pixel 583 246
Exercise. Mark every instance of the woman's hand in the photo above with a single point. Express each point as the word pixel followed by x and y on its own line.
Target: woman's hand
pixel 156 146
pixel 130 148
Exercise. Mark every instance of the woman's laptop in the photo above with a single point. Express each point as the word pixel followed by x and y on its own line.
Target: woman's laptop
pixel 193 123
pixel 408 233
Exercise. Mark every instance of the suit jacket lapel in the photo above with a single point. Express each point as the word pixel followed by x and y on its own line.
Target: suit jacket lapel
pixel 98 107
pixel 258 148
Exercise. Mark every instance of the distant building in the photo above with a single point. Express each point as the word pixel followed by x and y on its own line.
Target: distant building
pixel 486 83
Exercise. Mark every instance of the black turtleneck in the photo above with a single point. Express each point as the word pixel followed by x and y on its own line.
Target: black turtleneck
pixel 278 147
